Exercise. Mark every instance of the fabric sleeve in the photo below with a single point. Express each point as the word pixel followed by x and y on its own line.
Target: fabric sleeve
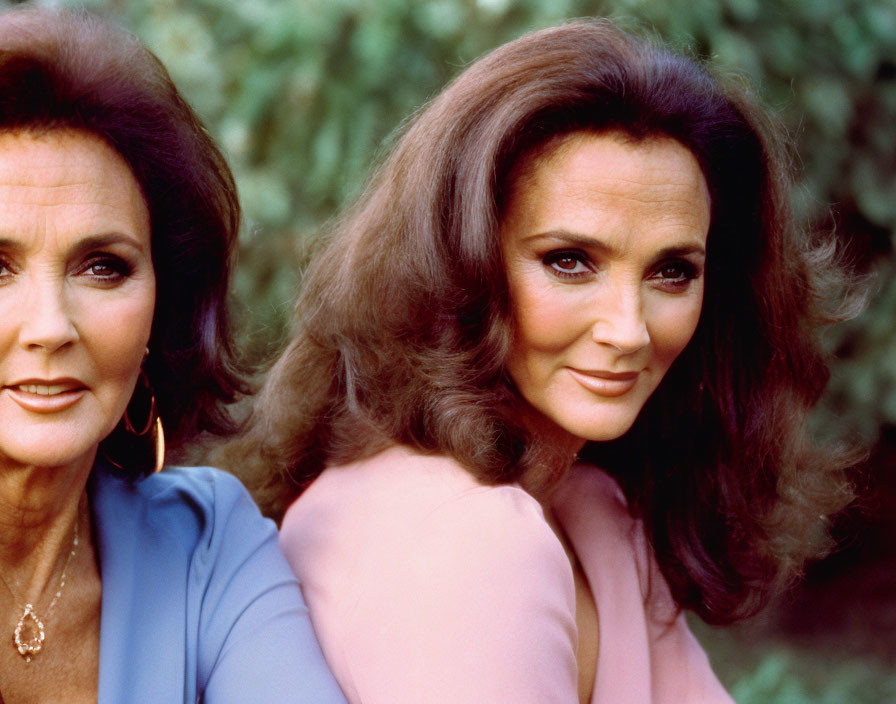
pixel 256 643
pixel 474 604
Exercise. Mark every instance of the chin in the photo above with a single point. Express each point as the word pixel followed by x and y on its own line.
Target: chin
pixel 44 459
pixel 603 429
pixel 47 453
pixel 606 434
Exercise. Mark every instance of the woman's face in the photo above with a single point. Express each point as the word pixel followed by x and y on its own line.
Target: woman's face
pixel 604 240
pixel 77 291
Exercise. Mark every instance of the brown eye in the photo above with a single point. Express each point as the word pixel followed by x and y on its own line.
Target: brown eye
pixel 106 269
pixel 567 264
pixel 672 271
pixel 101 270
pixel 675 276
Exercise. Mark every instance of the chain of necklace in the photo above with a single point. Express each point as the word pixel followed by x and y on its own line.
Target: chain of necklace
pixel 30 645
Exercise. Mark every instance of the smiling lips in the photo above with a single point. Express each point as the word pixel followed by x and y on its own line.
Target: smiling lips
pixel 40 396
pixel 608 384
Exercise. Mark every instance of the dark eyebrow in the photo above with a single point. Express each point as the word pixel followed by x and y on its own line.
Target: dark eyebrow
pixel 573 240
pixel 576 240
pixel 682 251
pixel 11 245
pixel 105 240
pixel 83 246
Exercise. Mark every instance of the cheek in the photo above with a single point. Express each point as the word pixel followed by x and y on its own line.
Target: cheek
pixel 672 323
pixel 547 318
pixel 537 334
pixel 121 333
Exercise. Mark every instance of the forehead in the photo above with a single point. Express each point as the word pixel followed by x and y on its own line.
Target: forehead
pixel 57 157
pixel 611 156
pixel 65 174
pixel 586 179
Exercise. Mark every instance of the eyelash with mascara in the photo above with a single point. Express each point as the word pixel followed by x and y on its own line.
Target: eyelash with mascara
pixel 118 267
pixel 688 270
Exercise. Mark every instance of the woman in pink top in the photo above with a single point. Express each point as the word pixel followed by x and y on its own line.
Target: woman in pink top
pixel 548 386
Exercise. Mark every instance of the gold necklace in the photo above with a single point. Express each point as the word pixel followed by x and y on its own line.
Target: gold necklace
pixel 30 646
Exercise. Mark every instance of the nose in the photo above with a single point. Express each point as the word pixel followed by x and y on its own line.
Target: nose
pixel 46 321
pixel 620 322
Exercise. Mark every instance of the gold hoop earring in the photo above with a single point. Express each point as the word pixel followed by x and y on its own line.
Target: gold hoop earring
pixel 159 442
pixel 153 423
pixel 151 416
pixel 159 434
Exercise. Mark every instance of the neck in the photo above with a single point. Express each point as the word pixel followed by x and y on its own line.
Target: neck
pixel 38 510
pixel 558 451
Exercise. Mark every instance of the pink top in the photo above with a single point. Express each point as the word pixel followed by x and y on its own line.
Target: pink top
pixel 426 586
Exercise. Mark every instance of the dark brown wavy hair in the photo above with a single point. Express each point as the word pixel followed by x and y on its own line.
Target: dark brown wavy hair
pixel 403 323
pixel 62 69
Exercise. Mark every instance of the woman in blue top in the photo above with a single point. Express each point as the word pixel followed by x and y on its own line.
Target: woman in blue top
pixel 118 217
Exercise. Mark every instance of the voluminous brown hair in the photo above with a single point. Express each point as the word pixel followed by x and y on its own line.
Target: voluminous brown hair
pixel 62 69
pixel 403 324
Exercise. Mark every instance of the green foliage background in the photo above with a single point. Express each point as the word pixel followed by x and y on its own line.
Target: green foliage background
pixel 304 94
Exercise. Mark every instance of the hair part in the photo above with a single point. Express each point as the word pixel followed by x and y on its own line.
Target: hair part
pixel 403 322
pixel 66 69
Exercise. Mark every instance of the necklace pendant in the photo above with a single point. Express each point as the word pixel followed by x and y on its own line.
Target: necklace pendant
pixel 33 641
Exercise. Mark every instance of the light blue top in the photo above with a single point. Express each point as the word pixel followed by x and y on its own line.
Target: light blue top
pixel 198 603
